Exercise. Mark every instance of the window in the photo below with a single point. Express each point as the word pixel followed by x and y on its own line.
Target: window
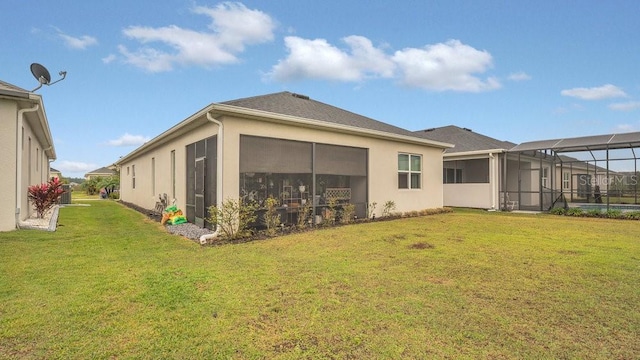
pixel 133 176
pixel 409 171
pixel 173 174
pixel 545 177
pixel 566 180
pixel 153 176
pixel 451 176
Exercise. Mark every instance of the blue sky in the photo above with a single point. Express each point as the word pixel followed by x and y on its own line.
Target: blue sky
pixel 512 70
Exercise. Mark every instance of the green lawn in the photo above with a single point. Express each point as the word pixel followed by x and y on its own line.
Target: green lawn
pixel 469 284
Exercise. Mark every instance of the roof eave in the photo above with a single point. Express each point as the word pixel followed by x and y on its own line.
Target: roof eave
pixel 475 152
pixel 223 109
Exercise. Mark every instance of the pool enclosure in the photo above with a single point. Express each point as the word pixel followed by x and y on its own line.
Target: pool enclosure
pixel 589 172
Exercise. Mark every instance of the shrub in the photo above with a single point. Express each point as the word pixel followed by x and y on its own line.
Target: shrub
pixel 574 212
pixel 558 211
pixel 633 215
pixel 304 215
pixel 388 207
pixel 371 210
pixel 347 213
pixel 45 195
pixel 271 217
pixel 614 213
pixel 594 213
pixel 233 217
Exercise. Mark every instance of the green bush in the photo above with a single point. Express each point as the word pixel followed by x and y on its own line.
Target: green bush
pixel 271 217
pixel 594 213
pixel 558 211
pixel 347 213
pixel 233 217
pixel 575 212
pixel 614 213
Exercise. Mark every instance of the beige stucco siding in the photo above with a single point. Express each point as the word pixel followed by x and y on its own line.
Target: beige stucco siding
pixel 143 194
pixel 35 162
pixel 383 160
pixel 8 113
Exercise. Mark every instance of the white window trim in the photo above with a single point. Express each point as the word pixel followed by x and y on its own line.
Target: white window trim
pixel 410 172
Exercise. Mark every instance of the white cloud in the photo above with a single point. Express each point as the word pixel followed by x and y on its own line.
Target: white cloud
pixel 446 66
pixel 128 140
pixel 595 93
pixel 319 60
pixel 440 67
pixel 623 128
pixel 74 166
pixel 625 106
pixel 232 28
pixel 79 43
pixel 519 76
pixel 109 59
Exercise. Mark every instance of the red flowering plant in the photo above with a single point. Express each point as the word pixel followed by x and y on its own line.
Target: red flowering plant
pixel 45 195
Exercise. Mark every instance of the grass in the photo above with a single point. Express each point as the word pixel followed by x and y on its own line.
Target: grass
pixel 469 284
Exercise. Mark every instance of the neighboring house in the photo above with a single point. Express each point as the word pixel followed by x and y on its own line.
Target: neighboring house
pixel 53 173
pixel 103 172
pixel 27 148
pixel 472 170
pixel 287 146
pixel 593 180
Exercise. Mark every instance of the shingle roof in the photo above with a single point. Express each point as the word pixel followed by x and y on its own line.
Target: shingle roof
pixel 464 139
pixel 12 90
pixel 287 103
pixel 102 170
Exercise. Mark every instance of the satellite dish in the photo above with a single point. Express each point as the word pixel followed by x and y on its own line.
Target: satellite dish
pixel 42 75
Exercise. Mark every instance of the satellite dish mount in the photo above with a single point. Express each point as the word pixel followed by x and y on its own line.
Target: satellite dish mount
pixel 42 75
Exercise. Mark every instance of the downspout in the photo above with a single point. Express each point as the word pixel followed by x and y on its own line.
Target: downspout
pixel 19 122
pixel 492 180
pixel 219 143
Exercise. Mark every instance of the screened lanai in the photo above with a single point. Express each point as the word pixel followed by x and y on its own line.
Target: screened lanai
pixel 592 172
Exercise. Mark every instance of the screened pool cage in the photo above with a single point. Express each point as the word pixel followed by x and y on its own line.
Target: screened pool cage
pixel 594 172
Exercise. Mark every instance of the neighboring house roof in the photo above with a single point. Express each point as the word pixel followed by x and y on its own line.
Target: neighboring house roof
pixel 465 140
pixel 101 172
pixel 290 108
pixel 53 170
pixel 12 90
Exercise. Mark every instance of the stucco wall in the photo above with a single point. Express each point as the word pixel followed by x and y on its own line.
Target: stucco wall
pixel 144 194
pixel 35 164
pixel 8 112
pixel 383 162
pixel 383 171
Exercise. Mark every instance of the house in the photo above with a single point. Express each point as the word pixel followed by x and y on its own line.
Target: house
pixel 103 172
pixel 594 179
pixel 53 173
pixel 483 172
pixel 27 149
pixel 472 173
pixel 302 152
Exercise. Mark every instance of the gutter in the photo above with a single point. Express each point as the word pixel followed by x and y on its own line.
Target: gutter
pixel 19 124
pixel 222 109
pixel 319 124
pixel 220 147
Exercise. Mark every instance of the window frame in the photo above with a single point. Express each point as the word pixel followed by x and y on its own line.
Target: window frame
pixel 410 172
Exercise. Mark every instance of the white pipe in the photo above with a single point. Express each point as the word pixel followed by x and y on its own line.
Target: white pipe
pixel 204 238
pixel 492 180
pixel 19 145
